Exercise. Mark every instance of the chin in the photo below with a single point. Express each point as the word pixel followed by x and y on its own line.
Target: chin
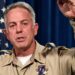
pixel 21 46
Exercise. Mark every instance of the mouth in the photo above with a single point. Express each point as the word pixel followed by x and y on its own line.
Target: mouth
pixel 20 39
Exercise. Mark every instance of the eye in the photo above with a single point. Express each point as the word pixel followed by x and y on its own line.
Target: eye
pixel 24 23
pixel 12 25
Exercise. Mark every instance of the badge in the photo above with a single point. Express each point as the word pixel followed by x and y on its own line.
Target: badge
pixel 42 70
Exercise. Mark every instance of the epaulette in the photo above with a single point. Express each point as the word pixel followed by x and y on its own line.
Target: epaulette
pixel 51 48
pixel 48 48
pixel 5 52
pixel 72 51
pixel 62 50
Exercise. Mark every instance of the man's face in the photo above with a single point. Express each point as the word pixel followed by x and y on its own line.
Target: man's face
pixel 67 8
pixel 73 1
pixel 73 6
pixel 20 30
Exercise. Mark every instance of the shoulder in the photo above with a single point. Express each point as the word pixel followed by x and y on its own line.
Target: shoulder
pixel 4 56
pixel 39 47
pixel 59 50
pixel 62 50
pixel 5 52
pixel 49 48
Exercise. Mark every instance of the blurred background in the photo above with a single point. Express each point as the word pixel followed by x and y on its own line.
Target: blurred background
pixel 53 26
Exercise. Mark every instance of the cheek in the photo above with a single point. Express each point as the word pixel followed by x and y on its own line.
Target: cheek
pixel 11 35
pixel 29 30
pixel 30 33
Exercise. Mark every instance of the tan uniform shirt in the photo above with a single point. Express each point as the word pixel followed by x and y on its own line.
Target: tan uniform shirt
pixel 9 65
pixel 67 62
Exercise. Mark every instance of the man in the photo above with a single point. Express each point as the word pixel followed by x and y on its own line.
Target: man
pixel 67 7
pixel 27 56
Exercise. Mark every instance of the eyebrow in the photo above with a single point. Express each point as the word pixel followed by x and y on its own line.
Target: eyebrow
pixel 24 20
pixel 11 22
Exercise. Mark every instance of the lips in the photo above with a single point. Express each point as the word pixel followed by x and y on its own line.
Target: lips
pixel 20 39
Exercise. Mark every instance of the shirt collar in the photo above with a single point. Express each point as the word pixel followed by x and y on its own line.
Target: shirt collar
pixel 38 53
pixel 9 58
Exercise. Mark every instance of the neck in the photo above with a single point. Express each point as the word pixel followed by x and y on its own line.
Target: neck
pixel 25 51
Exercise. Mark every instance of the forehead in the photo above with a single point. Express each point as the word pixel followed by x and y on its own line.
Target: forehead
pixel 17 6
pixel 17 15
pixel 18 9
pixel 73 1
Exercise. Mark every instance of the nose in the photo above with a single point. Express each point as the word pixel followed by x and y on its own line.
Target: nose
pixel 19 28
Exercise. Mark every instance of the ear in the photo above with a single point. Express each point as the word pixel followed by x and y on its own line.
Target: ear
pixel 36 27
pixel 63 6
pixel 5 32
